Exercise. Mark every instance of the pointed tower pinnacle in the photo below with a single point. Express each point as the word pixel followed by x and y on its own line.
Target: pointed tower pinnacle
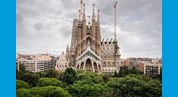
pixel 93 21
pixel 84 18
pixel 98 17
pixel 81 7
pixel 93 16
pixel 98 33
pixel 84 27
pixel 84 30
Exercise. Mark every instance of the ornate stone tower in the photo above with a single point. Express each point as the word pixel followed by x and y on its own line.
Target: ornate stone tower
pixel 86 42
pixel 87 51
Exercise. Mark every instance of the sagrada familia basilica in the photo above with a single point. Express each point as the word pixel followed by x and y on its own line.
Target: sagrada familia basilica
pixel 87 51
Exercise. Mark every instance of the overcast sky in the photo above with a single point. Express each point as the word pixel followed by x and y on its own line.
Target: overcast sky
pixel 46 25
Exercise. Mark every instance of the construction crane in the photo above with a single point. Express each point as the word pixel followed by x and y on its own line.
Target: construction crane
pixel 115 40
pixel 115 21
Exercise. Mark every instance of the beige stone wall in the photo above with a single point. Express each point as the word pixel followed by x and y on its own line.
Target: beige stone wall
pixel 62 63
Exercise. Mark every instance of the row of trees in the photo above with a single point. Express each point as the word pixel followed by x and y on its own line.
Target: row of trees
pixel 124 70
pixel 73 83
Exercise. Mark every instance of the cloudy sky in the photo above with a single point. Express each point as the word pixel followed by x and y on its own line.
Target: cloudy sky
pixel 45 25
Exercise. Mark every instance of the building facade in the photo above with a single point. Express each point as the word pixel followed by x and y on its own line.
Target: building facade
pixel 87 51
pixel 62 63
pixel 149 66
pixel 38 63
pixel 152 69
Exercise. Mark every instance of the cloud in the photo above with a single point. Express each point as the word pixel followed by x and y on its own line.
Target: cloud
pixel 38 26
pixel 46 25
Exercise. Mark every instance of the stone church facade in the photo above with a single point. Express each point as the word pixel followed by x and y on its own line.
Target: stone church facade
pixel 87 51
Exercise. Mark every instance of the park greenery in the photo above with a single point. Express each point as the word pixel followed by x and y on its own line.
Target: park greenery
pixel 71 83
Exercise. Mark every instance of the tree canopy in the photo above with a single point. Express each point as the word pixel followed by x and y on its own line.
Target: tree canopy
pixel 47 91
pixel 21 84
pixel 71 83
pixel 48 82
pixel 68 76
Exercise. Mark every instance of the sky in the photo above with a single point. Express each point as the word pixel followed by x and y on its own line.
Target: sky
pixel 45 26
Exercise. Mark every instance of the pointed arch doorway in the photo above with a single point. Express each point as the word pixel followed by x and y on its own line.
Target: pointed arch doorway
pixel 88 65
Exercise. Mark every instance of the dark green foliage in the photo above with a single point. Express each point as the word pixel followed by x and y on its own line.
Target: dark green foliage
pixel 51 73
pixel 134 70
pixel 48 91
pixel 133 85
pixel 48 82
pixel 21 84
pixel 88 84
pixel 68 76
pixel 155 88
pixel 141 77
pixel 80 89
pixel 23 93
pixel 89 78
pixel 30 78
pixel 41 74
pixel 21 71
pixel 106 77
pixel 124 70
pixel 22 68
pixel 116 74
pixel 126 83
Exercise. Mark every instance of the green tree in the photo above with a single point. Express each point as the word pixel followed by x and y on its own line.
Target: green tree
pixel 116 74
pixel 129 87
pixel 51 73
pixel 89 78
pixel 30 78
pixel 88 84
pixel 155 88
pixel 68 76
pixel 123 71
pixel 21 71
pixel 21 84
pixel 47 91
pixel 41 74
pixel 22 68
pixel 106 77
pixel 141 77
pixel 23 93
pixel 48 82
pixel 81 89
pixel 134 70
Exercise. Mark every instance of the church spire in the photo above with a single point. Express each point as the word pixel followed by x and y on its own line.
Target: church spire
pixel 93 16
pixel 84 18
pixel 81 8
pixel 93 21
pixel 84 26
pixel 93 29
pixel 98 17
pixel 98 33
